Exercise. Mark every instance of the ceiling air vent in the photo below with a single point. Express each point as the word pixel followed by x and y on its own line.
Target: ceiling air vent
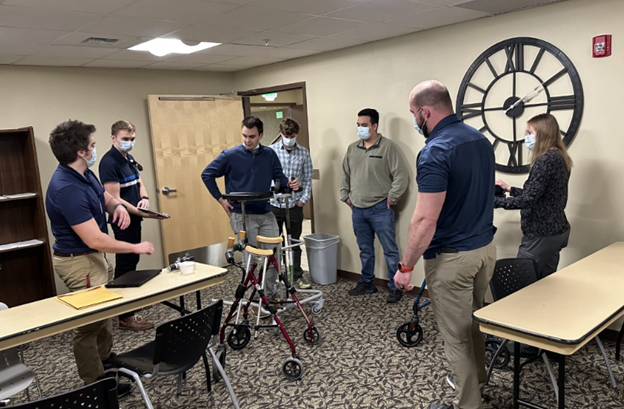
pixel 100 41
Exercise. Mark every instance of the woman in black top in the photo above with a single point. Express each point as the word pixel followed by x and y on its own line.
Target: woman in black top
pixel 543 198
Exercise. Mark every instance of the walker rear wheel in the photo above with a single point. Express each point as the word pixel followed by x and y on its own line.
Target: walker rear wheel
pixel 292 369
pixel 409 334
pixel 220 354
pixel 239 338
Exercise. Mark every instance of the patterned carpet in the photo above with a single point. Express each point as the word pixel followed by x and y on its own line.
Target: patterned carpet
pixel 359 364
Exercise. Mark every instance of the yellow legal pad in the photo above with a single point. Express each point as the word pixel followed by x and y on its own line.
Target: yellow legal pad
pixel 94 296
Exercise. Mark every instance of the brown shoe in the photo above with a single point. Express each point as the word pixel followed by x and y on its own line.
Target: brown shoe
pixel 135 323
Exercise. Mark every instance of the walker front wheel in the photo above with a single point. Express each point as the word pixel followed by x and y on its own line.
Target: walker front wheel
pixel 238 338
pixel 491 347
pixel 292 369
pixel 409 334
pixel 312 336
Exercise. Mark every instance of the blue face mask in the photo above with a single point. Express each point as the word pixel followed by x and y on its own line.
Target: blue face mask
pixel 418 128
pixel 363 133
pixel 91 162
pixel 289 142
pixel 126 146
pixel 529 141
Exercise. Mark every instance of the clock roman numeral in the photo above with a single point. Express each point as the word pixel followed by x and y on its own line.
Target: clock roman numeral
pixel 478 88
pixel 515 153
pixel 562 102
pixel 471 110
pixel 537 60
pixel 515 58
pixel 554 77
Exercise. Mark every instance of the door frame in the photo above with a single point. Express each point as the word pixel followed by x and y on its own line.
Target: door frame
pixel 279 88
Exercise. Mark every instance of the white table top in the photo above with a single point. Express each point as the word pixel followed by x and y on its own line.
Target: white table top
pixel 40 319
pixel 565 310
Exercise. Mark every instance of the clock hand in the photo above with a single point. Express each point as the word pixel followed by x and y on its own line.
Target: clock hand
pixel 527 97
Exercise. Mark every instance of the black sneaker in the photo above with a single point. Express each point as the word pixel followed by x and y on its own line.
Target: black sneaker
pixel 123 389
pixel 362 289
pixel 449 380
pixel 440 406
pixel 394 296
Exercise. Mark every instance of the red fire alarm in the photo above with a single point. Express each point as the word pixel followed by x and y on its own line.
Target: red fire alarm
pixel 601 46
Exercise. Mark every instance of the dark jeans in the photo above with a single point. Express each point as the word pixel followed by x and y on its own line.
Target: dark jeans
pixel 296 225
pixel 367 222
pixel 544 250
pixel 127 262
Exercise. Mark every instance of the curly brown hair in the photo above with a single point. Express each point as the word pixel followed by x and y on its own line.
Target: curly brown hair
pixel 289 127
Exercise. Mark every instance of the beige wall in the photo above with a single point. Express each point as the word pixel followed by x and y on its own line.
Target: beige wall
pixel 386 72
pixel 43 97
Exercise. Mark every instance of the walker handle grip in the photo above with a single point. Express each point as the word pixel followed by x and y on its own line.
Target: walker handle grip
pixel 242 234
pixel 230 242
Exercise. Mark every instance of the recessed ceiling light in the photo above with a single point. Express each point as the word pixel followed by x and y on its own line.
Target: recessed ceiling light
pixel 163 46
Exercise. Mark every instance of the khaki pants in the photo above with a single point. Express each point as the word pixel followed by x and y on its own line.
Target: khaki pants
pixel 92 343
pixel 457 283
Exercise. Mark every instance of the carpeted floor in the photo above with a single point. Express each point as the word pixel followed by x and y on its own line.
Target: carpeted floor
pixel 359 364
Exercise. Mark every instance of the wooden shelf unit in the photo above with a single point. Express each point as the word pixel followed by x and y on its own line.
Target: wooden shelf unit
pixel 26 273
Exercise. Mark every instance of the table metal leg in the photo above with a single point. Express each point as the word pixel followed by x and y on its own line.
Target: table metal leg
pixel 618 342
pixel 516 391
pixel 198 297
pixel 562 381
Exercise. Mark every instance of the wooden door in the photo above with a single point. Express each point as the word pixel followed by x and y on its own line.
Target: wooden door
pixel 188 132
pixel 298 113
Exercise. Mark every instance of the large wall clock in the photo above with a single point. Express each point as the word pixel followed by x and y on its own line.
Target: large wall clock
pixel 511 82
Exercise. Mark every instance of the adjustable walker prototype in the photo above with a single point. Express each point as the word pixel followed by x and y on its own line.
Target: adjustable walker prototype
pixel 239 317
pixel 410 333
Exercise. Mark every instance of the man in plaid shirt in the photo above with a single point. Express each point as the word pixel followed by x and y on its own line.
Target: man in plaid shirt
pixel 297 164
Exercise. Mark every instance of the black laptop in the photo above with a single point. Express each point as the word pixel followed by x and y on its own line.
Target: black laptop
pixel 133 279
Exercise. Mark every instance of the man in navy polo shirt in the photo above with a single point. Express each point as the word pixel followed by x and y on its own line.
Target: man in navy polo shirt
pixel 249 167
pixel 452 228
pixel 119 173
pixel 76 204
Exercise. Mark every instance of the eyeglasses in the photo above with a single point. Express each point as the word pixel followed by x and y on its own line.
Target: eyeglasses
pixel 137 164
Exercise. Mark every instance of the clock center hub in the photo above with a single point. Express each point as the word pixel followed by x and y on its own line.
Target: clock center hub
pixel 515 111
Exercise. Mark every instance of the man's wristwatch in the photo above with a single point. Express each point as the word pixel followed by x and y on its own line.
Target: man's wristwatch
pixel 404 269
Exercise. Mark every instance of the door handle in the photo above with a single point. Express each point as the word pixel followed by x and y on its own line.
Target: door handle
pixel 165 191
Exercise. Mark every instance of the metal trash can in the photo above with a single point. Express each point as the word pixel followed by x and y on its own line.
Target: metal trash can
pixel 322 250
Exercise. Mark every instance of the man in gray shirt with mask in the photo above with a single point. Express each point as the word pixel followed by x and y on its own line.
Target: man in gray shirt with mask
pixel 374 177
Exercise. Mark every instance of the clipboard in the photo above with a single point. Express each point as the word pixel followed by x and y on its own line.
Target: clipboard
pixel 163 215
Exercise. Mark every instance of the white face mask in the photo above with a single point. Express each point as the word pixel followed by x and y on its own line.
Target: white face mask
pixel 289 142
pixel 363 132
pixel 529 141
pixel 126 146
pixel 91 162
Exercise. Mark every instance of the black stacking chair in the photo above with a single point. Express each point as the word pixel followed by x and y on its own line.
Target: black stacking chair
pixel 98 395
pixel 511 275
pixel 178 346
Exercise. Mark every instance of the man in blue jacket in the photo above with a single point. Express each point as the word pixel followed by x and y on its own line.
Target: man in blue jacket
pixel 249 167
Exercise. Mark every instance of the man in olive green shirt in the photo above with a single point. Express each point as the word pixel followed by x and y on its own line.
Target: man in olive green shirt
pixel 374 177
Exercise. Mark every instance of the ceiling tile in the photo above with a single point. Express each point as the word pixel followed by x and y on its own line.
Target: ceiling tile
pixel 136 56
pixel 242 2
pixel 77 37
pixel 376 32
pixel 87 6
pixel 254 60
pixel 327 44
pixel 33 36
pixel 201 58
pixel 256 18
pixel 322 26
pixel 288 53
pixel 53 61
pixel 377 11
pixel 441 3
pixel 19 48
pixel 213 33
pixel 8 59
pixel 500 6
pixel 116 64
pixel 111 25
pixel 29 17
pixel 276 38
pixel 184 11
pixel 235 50
pixel 438 18
pixel 71 51
pixel 166 65
pixel 316 7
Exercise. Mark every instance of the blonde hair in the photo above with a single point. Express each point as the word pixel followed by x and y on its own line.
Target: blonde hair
pixel 547 137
